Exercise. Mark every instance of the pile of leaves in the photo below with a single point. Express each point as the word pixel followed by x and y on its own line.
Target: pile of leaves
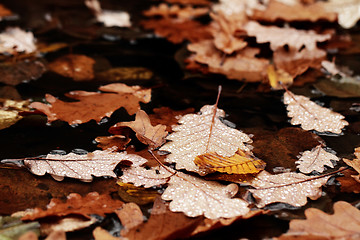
pixel 178 173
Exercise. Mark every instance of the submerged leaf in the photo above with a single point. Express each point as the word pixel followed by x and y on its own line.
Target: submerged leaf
pixel 315 160
pixel 290 188
pixel 198 134
pixel 312 116
pixel 240 163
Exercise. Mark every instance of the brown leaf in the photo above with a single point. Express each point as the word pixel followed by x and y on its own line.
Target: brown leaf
pixel 130 216
pixel 297 62
pixel 78 67
pixel 355 164
pixel 145 132
pixel 193 2
pixel 65 224
pixel 167 116
pixel 139 195
pixel 202 133
pixel 311 116
pixel 164 224
pixel 125 73
pixel 9 111
pixel 92 203
pixel 175 11
pixel 113 143
pixel 348 183
pixel 279 37
pixel 141 176
pixel 28 236
pixel 343 224
pixel 278 78
pixel 177 32
pixel 4 12
pixel 290 188
pixel 347 13
pixel 277 10
pixel 94 105
pixel 101 234
pixel 242 66
pixel 56 235
pixel 83 167
pixel 14 40
pixel 21 71
pixel 240 163
pixel 315 160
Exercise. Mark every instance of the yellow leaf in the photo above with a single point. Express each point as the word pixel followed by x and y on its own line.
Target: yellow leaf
pixel 240 163
pixel 9 111
pixel 278 77
pixel 139 195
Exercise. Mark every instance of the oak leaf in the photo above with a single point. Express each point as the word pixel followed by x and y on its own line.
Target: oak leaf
pixel 130 216
pixel 141 176
pixel 202 133
pixel 78 67
pixel 279 37
pixel 312 116
pixel 277 10
pixel 240 163
pixel 113 143
pixel 195 197
pixel 355 164
pixel 291 188
pixel 348 182
pixel 14 39
pixel 342 224
pixel 83 167
pixel 94 105
pixel 92 203
pixel 315 160
pixel 65 224
pixel 167 116
pixel 145 132
pixel 242 66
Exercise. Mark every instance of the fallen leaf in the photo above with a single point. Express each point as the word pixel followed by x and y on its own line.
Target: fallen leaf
pixel 13 227
pixel 65 224
pixel 151 161
pixel 125 73
pixel 28 236
pixel 139 195
pixel 56 235
pixel 113 143
pixel 13 40
pixel 315 160
pixel 164 224
pixel 175 11
pixel 108 17
pixel 291 188
pixel 83 167
pixel 278 77
pixel 130 216
pixel 145 132
pixel 92 203
pixel 240 163
pixel 167 116
pixel 177 32
pixel 141 176
pixel 195 197
pixel 202 133
pixel 243 66
pixel 347 11
pixel 101 234
pixel 342 224
pixel 9 111
pixel 279 37
pixel 312 116
pixel 4 12
pixel 277 10
pixel 297 62
pixel 348 183
pixel 355 164
pixel 78 67
pixel 194 2
pixel 243 179
pixel 94 105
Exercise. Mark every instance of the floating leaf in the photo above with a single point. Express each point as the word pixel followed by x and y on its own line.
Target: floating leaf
pixel 92 203
pixel 290 188
pixel 315 160
pixel 139 195
pixel 202 133
pixel 9 111
pixel 195 197
pixel 83 167
pixel 13 40
pixel 343 224
pixel 145 132
pixel 312 116
pixel 94 105
pixel 240 163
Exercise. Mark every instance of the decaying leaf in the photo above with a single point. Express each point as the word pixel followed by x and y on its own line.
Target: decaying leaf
pixel 83 167
pixel 291 188
pixel 140 176
pixel 343 224
pixel 315 160
pixel 167 116
pixel 78 67
pixel 108 17
pixel 92 203
pixel 312 116
pixel 279 37
pixel 113 143
pixel 14 73
pixel 13 40
pixel 94 105
pixel 13 227
pixel 355 164
pixel 9 111
pixel 130 216
pixel 145 132
pixel 240 163
pixel 139 195
pixel 195 197
pixel 202 133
